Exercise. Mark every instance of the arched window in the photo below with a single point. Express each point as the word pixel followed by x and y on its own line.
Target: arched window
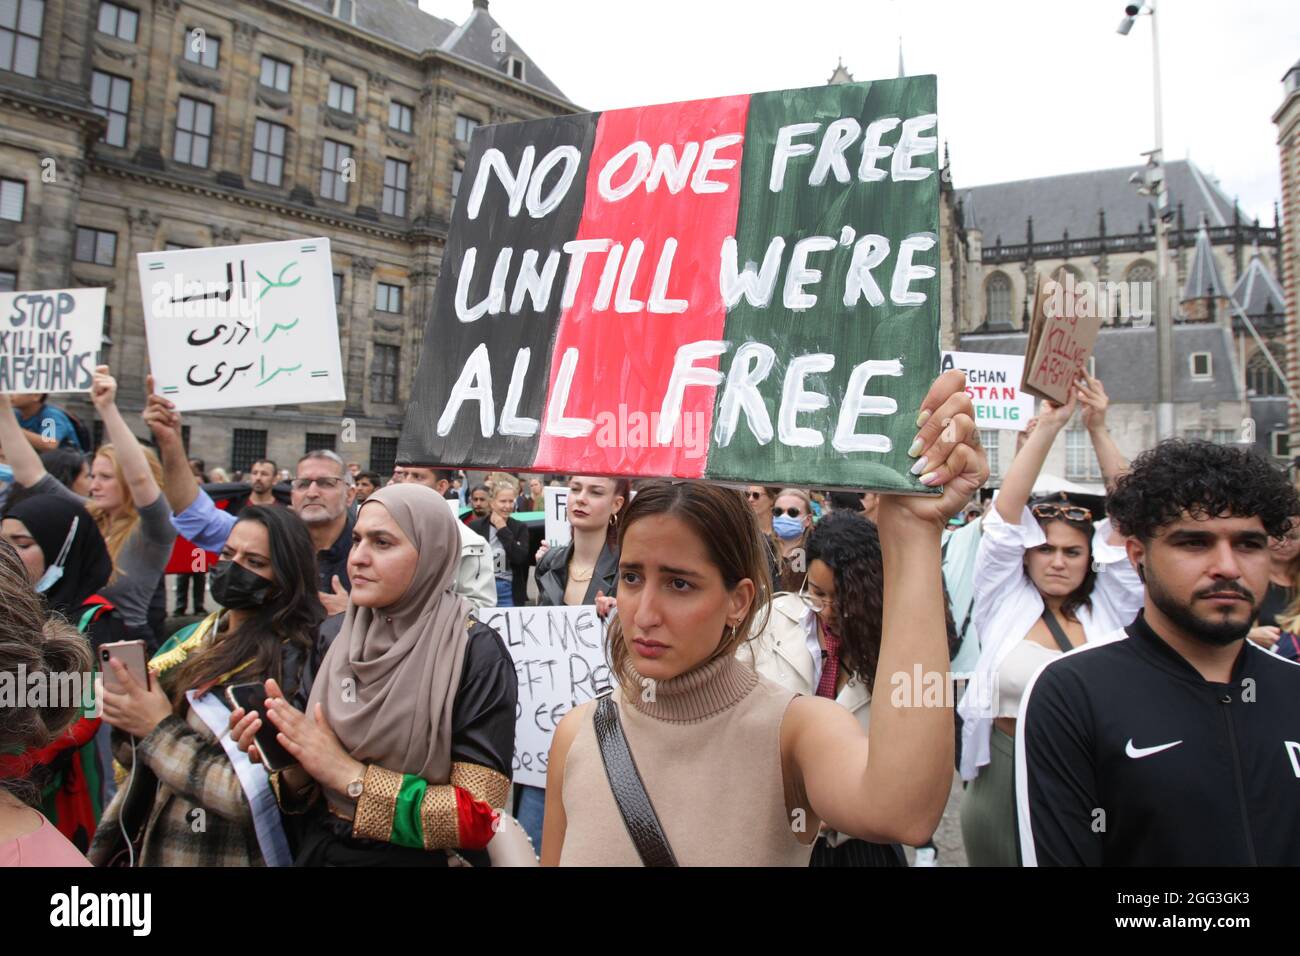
pixel 1141 271
pixel 997 301
pixel 1261 380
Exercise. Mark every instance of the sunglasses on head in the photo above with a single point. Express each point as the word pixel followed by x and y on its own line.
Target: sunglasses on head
pixel 1068 512
pixel 791 512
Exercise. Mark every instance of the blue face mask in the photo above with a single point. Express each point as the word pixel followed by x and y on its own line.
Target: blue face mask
pixel 787 527
pixel 54 573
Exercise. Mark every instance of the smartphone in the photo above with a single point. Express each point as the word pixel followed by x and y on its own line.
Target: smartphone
pixel 130 653
pixel 251 697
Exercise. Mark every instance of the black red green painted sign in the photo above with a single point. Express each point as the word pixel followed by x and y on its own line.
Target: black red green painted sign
pixel 743 289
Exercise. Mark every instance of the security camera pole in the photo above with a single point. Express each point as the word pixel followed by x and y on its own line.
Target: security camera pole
pixel 1153 178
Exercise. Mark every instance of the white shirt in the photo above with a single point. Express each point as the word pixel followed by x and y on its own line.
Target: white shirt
pixel 1007 604
pixel 814 646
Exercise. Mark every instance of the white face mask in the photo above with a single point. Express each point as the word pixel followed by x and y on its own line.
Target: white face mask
pixel 54 573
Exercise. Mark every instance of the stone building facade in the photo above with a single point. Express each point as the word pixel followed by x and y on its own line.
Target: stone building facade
pixel 144 125
pixel 1287 120
pixel 1097 227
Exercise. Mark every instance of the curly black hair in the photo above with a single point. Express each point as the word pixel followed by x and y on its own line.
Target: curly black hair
pixel 850 546
pixel 1200 478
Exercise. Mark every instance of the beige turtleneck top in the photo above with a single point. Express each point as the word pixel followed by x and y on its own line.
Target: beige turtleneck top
pixel 709 751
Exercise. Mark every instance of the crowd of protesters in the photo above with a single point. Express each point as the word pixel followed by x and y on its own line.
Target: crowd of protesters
pixel 768 647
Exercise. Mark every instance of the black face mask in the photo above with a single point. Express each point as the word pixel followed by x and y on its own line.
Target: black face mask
pixel 236 588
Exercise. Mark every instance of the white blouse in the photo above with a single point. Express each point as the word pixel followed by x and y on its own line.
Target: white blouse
pixel 1007 604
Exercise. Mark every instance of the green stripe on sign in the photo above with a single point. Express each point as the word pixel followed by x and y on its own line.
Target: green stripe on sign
pixel 844 213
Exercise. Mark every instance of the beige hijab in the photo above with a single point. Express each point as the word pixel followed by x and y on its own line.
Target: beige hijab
pixel 389 680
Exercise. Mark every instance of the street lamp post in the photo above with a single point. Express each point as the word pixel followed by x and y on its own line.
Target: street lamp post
pixel 1154 185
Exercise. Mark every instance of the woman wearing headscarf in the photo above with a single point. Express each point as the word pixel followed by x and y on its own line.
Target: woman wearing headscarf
pixel 66 563
pixel 404 754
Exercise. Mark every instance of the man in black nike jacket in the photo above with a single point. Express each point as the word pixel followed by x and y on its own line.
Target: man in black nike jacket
pixel 1177 743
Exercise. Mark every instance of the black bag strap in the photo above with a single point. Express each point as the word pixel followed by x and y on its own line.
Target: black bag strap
pixel 1058 632
pixel 629 792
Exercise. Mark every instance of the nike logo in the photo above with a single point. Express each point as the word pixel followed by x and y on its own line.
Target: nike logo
pixel 1138 753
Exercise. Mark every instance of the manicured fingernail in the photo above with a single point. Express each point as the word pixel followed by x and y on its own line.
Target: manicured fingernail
pixel 930 479
pixel 915 448
pixel 919 466
pixel 921 419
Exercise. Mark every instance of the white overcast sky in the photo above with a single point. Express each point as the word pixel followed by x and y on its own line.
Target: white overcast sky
pixel 1026 89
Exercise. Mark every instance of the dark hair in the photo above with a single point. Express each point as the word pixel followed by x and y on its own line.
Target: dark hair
pixel 623 488
pixel 850 546
pixel 39 644
pixel 291 615
pixel 275 469
pixel 723 521
pixel 372 477
pixel 483 488
pixel 845 501
pixel 199 461
pixel 1201 479
pixel 444 474
pixel 64 464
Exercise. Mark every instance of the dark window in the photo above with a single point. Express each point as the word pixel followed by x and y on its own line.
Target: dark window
pixel 185 438
pixel 116 21
pixel 8 281
pixel 202 49
pixel 193 132
pixel 338 287
pixel 342 96
pixel 268 152
pixel 399 116
pixel 515 67
pixel 383 374
pixel 396 174
pixel 336 171
pixel 383 455
pixel 997 300
pixel 249 445
pixel 13 196
pixel 388 298
pixel 319 441
pixel 343 9
pixel 276 74
pixel 111 96
pixel 456 175
pixel 1260 377
pixel 20 35
pixel 465 126
pixel 95 245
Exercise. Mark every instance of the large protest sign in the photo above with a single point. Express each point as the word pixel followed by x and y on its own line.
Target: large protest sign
pixel 559 659
pixel 993 384
pixel 235 326
pixel 557 532
pixel 48 340
pixel 1063 330
pixel 741 288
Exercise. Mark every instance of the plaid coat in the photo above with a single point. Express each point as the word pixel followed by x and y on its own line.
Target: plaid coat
pixel 200 816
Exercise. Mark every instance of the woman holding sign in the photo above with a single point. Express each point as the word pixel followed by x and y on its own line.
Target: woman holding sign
pixel 1047 579
pixel 126 501
pixel 404 752
pixel 730 768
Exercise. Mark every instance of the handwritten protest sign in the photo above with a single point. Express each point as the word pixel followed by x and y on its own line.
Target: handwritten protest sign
pixel 993 383
pixel 48 340
pixel 1063 331
pixel 559 655
pixel 558 533
pixel 741 289
pixel 236 326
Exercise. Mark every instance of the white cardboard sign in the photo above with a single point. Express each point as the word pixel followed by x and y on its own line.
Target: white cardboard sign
pixel 49 339
pixel 993 384
pixel 243 326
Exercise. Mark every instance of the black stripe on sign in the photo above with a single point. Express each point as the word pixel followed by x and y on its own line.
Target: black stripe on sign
pixel 449 342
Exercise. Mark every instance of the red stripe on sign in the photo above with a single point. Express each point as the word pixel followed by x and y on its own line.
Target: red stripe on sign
pixel 648 289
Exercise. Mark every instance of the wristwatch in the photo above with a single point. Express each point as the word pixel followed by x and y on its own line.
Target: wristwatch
pixel 357 787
